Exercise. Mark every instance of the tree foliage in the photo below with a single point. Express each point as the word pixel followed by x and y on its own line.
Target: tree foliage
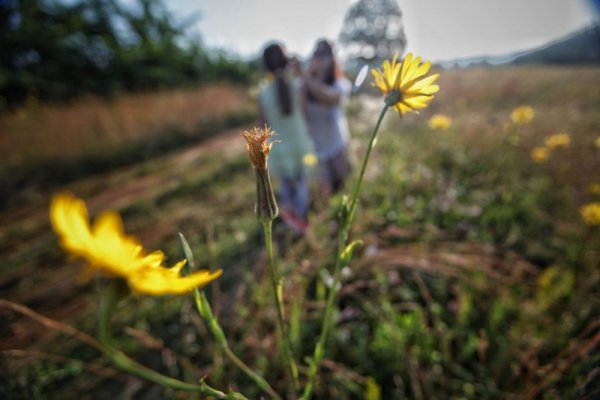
pixel 54 50
pixel 372 31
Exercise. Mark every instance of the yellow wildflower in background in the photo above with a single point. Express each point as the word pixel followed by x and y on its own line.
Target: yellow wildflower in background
pixel 440 122
pixel 540 154
pixel 106 247
pixel 405 84
pixel 310 159
pixel 522 115
pixel 558 140
pixel 590 213
pixel 597 142
pixel 594 188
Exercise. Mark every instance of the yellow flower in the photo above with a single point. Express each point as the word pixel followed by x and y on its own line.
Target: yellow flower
pixel 440 121
pixel 558 140
pixel 522 115
pixel 106 247
pixel 594 188
pixel 590 213
pixel 597 142
pixel 310 159
pixel 540 155
pixel 157 280
pixel 406 85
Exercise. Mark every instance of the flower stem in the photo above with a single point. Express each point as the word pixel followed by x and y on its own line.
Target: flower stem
pixel 123 362
pixel 346 223
pixel 203 306
pixel 267 226
pixel 205 311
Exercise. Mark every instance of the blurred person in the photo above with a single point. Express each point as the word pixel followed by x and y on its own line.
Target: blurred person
pixel 325 88
pixel 281 107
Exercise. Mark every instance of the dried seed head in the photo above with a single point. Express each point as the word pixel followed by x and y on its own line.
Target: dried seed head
pixel 258 151
pixel 258 148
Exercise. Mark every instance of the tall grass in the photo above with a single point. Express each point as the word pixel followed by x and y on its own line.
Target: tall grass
pixel 42 132
pixel 43 145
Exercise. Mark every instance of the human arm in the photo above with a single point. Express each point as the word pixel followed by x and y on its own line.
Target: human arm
pixel 325 94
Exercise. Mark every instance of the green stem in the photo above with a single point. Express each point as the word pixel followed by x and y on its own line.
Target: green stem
pixel 203 306
pixel 123 362
pixel 363 168
pixel 267 225
pixel 346 223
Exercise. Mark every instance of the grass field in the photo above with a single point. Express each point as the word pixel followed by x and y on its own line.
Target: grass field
pixel 478 278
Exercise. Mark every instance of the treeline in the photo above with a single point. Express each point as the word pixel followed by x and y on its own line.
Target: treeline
pixel 55 50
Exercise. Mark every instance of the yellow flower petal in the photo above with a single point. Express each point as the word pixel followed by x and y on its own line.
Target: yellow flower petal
pixel 408 82
pixel 106 247
pixel 159 281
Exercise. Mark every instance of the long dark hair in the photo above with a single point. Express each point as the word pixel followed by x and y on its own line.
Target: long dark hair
pixel 324 48
pixel 275 62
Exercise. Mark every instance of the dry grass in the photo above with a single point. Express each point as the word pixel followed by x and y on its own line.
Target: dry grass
pixel 40 132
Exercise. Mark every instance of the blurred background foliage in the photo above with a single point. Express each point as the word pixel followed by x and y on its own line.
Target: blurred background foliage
pixel 55 50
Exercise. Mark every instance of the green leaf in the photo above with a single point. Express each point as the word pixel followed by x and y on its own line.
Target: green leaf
pixel 185 252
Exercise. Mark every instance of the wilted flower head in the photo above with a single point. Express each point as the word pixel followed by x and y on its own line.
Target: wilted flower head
pixel 522 115
pixel 258 148
pixel 405 84
pixel 258 152
pixel 440 122
pixel 558 140
pixel 590 213
pixel 106 247
pixel 540 154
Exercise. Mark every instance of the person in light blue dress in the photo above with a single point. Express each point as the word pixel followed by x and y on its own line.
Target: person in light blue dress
pixel 281 108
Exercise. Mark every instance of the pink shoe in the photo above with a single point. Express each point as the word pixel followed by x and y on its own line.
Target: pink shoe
pixel 292 220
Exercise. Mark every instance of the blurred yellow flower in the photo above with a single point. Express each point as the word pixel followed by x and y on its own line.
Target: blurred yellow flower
pixel 405 84
pixel 310 159
pixel 590 213
pixel 594 188
pixel 558 140
pixel 597 142
pixel 106 247
pixel 440 122
pixel 540 154
pixel 522 115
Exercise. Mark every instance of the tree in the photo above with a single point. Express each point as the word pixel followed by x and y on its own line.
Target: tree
pixel 57 50
pixel 372 31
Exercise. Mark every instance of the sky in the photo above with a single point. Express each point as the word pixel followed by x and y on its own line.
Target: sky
pixel 438 30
